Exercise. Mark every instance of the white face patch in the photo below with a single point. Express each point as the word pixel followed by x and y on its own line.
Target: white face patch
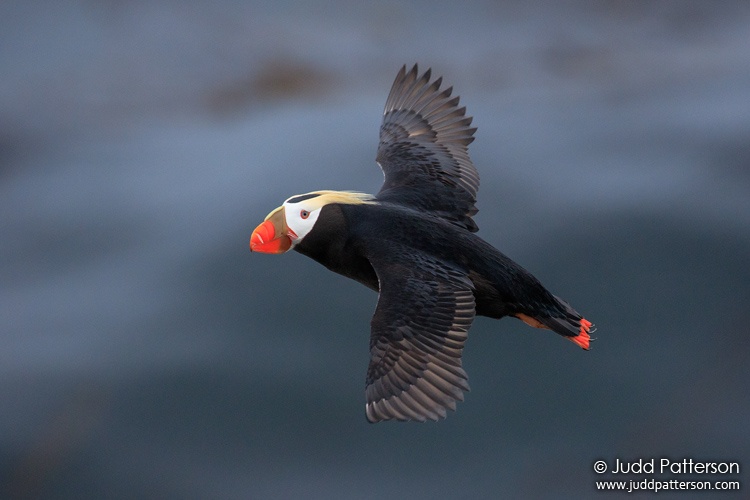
pixel 300 217
pixel 302 211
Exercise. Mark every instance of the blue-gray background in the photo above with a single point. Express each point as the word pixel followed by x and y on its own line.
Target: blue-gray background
pixel 146 353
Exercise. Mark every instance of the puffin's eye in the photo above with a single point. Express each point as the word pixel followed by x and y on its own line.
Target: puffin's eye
pixel 304 214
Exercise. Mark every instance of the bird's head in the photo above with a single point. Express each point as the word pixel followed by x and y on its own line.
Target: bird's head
pixel 288 225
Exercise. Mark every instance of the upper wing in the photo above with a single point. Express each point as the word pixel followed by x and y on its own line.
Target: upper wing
pixel 423 150
pixel 419 328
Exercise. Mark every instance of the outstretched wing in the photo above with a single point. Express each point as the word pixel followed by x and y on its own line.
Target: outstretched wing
pixel 423 150
pixel 418 332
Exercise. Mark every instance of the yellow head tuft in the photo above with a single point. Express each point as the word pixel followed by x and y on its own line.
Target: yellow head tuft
pixel 321 198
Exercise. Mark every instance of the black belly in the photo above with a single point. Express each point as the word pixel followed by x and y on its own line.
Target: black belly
pixel 341 244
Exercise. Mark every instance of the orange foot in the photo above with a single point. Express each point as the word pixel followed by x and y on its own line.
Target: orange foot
pixel 583 338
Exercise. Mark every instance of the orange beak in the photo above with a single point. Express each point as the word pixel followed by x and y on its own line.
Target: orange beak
pixel 271 236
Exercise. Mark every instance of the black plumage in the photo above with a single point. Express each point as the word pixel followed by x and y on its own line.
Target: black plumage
pixel 415 243
pixel 423 150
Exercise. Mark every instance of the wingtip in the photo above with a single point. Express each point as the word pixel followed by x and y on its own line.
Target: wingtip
pixel 413 72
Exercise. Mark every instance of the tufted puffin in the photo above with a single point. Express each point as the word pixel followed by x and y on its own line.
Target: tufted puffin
pixel 415 244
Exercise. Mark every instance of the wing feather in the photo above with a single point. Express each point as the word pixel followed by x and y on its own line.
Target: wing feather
pixel 423 149
pixel 419 328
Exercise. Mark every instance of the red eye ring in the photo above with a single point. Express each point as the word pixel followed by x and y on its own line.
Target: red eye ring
pixel 304 214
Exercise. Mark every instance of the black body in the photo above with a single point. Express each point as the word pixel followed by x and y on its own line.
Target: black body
pixel 346 234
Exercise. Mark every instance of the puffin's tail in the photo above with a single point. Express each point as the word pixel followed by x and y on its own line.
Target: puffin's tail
pixel 565 321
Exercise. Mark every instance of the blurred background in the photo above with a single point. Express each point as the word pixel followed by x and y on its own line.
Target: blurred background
pixel 146 353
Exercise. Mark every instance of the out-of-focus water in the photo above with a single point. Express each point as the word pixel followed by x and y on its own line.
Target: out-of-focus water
pixel 146 353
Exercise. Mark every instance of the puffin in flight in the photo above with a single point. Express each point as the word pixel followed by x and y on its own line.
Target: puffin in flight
pixel 415 244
